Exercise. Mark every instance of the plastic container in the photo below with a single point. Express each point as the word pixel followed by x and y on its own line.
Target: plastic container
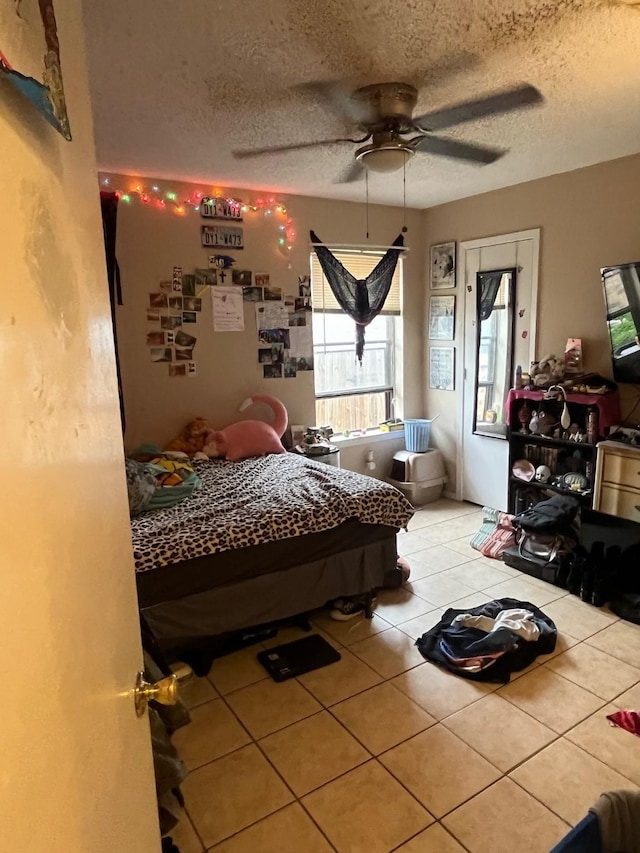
pixel 416 434
pixel 419 476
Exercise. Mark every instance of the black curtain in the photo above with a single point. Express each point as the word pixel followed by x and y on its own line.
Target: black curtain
pixel 361 299
pixel 109 204
pixel 488 291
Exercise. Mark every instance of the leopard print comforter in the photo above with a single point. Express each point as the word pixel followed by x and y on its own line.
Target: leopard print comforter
pixel 260 500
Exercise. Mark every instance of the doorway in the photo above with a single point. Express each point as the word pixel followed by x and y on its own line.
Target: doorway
pixel 483 454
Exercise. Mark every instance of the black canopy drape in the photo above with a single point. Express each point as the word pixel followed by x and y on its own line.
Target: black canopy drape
pixel 361 299
pixel 489 286
pixel 109 204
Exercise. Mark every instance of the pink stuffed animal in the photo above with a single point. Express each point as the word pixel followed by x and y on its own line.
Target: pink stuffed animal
pixel 249 438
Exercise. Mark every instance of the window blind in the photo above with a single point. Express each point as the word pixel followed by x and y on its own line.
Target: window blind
pixel 359 265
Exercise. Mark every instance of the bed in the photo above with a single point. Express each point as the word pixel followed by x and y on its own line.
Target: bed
pixel 260 541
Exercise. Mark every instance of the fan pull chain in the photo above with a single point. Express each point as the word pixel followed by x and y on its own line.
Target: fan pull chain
pixel 366 185
pixel 404 197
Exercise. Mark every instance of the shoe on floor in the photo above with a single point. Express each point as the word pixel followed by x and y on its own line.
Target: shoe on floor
pixel 346 608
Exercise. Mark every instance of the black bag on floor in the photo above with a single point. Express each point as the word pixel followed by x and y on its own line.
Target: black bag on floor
pixel 537 567
pixel 557 516
pixel 546 535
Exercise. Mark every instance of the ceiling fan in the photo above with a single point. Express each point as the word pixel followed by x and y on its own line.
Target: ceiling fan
pixel 383 112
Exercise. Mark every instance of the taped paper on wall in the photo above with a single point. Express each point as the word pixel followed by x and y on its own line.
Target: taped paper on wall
pixel 272 315
pixel 300 341
pixel 228 309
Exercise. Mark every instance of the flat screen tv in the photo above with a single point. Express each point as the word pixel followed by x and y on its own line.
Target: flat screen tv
pixel 622 297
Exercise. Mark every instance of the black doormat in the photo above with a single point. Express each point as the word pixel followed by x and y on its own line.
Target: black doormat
pixel 292 659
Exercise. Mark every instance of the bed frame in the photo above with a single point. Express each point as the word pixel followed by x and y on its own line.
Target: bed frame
pixel 211 596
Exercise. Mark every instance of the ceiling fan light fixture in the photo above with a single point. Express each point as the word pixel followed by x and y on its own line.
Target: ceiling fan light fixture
pixel 388 157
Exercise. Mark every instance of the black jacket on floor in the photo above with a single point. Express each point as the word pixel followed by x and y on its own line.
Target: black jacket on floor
pixel 472 642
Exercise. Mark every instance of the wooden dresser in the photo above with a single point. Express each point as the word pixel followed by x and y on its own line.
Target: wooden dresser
pixel 617 482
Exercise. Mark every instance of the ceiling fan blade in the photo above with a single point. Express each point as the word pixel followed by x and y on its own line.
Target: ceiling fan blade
pixel 353 172
pixel 276 149
pixel 500 102
pixel 337 95
pixel 457 150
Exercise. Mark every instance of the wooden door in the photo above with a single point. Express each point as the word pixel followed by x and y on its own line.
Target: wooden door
pixel 77 771
pixel 483 461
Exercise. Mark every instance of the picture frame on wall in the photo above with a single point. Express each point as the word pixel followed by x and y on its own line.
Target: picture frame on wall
pixel 30 59
pixel 442 318
pixel 442 266
pixel 442 364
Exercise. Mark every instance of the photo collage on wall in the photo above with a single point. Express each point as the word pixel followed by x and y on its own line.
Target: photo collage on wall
pixel 285 343
pixel 171 308
pixel 284 336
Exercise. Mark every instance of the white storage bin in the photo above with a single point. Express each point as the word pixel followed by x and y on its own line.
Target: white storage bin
pixel 419 476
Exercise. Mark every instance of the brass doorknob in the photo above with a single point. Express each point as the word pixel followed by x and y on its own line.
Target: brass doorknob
pixel 164 691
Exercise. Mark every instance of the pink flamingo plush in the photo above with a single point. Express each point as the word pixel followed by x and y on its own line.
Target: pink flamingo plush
pixel 249 438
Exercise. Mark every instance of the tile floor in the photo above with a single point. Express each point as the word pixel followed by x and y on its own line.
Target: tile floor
pixel 383 751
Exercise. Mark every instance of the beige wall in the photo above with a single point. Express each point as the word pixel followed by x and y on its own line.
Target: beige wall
pixel 151 241
pixel 588 218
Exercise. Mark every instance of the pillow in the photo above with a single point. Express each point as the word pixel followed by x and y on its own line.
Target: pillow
pixel 141 484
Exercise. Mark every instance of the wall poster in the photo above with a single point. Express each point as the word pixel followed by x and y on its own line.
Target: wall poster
pixel 30 58
pixel 443 266
pixel 442 315
pixel 442 368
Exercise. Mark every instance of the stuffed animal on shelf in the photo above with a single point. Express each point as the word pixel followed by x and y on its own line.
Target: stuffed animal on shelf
pixel 192 438
pixel 548 371
pixel 249 438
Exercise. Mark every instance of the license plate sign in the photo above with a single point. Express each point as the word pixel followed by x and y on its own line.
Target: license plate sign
pixel 222 237
pixel 219 208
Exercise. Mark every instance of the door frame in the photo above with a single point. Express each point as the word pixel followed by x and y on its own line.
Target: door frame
pixel 532 234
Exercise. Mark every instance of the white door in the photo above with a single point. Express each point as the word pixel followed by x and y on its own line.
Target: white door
pixel 76 771
pixel 484 459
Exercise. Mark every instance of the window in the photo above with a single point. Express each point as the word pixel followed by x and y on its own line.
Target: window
pixel 349 395
pixel 621 314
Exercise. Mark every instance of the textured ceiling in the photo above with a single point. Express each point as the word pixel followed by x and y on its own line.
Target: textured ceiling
pixel 177 86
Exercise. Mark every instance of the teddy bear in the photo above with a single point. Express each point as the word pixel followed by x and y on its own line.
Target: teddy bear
pixel 192 438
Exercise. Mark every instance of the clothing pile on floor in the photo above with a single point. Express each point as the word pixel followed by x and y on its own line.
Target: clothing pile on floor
pixel 496 533
pixel 489 642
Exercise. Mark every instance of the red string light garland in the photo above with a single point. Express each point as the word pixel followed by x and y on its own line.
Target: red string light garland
pixel 153 196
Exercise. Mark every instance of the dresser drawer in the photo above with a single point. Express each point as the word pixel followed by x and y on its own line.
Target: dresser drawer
pixel 622 503
pixel 622 470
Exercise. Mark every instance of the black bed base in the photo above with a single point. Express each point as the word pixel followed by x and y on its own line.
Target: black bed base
pixel 200 652
pixel 180 623
pixel 168 583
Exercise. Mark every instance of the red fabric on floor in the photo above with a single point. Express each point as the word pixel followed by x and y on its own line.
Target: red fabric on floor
pixel 629 720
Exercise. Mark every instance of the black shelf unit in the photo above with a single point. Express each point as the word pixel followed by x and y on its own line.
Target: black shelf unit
pixel 560 455
pixel 548 489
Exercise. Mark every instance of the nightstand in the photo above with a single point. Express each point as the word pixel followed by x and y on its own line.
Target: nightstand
pixel 330 457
